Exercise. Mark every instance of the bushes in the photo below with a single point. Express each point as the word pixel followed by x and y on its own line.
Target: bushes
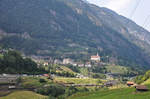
pixel 53 90
pixel 101 76
pixel 56 91
pixel 13 62
pixel 65 74
pixel 140 79
pixel 42 81
pixel 71 90
pixel 74 68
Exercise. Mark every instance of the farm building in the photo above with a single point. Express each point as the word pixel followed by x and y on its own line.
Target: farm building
pixel 141 88
pixel 110 83
pixel 130 83
pixel 8 78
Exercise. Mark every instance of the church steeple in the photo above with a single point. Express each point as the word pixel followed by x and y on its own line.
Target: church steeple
pixel 97 54
pixel 95 58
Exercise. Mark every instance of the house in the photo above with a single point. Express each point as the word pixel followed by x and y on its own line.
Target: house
pixel 67 61
pixel 9 78
pixel 80 65
pixel 11 87
pixel 74 64
pixel 88 64
pixel 110 83
pixel 57 61
pixel 81 76
pixel 46 75
pixel 129 83
pixel 95 58
pixel 141 88
pixel 45 63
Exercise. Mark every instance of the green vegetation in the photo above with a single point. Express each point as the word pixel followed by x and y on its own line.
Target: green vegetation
pixel 74 68
pixel 98 75
pixel 117 69
pixel 98 69
pixel 84 71
pixel 64 68
pixel 143 78
pixel 125 93
pixel 34 82
pixel 13 62
pixel 60 70
pixel 122 70
pixel 54 90
pixel 147 82
pixel 24 95
pixel 1 56
pixel 64 71
pixel 78 80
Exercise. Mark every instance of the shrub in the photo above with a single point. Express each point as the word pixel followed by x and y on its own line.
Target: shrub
pixel 71 90
pixel 54 90
pixel 51 97
pixel 42 81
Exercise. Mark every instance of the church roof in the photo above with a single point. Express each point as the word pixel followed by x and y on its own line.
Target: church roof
pixel 95 56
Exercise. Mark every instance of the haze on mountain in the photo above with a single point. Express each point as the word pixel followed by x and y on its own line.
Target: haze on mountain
pixel 72 28
pixel 137 10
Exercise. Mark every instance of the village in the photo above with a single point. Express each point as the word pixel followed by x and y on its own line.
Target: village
pixel 94 60
pixel 91 74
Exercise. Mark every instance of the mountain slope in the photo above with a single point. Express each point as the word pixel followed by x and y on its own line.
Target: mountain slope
pixel 70 28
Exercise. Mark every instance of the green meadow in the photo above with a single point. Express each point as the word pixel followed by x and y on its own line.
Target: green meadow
pixel 78 80
pixel 125 93
pixel 24 95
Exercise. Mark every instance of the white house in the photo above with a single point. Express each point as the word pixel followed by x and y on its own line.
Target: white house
pixel 45 63
pixel 88 64
pixel 57 61
pixel 67 61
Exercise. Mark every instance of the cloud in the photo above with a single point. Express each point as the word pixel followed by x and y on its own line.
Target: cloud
pixel 116 5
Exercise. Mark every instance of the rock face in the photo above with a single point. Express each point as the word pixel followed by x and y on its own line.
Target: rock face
pixel 72 28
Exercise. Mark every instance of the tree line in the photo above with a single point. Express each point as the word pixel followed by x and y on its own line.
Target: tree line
pixel 13 62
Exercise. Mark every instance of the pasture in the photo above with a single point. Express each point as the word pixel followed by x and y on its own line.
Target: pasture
pixel 24 95
pixel 124 93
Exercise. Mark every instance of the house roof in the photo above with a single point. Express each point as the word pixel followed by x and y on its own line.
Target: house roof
pixel 142 87
pixel 46 75
pixel 130 83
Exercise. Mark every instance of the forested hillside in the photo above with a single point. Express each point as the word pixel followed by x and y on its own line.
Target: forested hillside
pixel 13 62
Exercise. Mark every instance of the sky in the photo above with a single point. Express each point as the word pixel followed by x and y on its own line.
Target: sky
pixel 127 8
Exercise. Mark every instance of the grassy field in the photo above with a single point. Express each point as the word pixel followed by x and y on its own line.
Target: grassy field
pixel 84 71
pixel 117 69
pixel 147 82
pixel 77 80
pixel 24 95
pixel 125 93
pixel 1 55
pixel 65 69
pixel 29 82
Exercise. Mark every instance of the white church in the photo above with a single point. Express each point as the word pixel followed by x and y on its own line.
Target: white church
pixel 95 58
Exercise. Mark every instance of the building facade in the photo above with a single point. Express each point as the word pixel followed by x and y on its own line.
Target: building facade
pixel 95 58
